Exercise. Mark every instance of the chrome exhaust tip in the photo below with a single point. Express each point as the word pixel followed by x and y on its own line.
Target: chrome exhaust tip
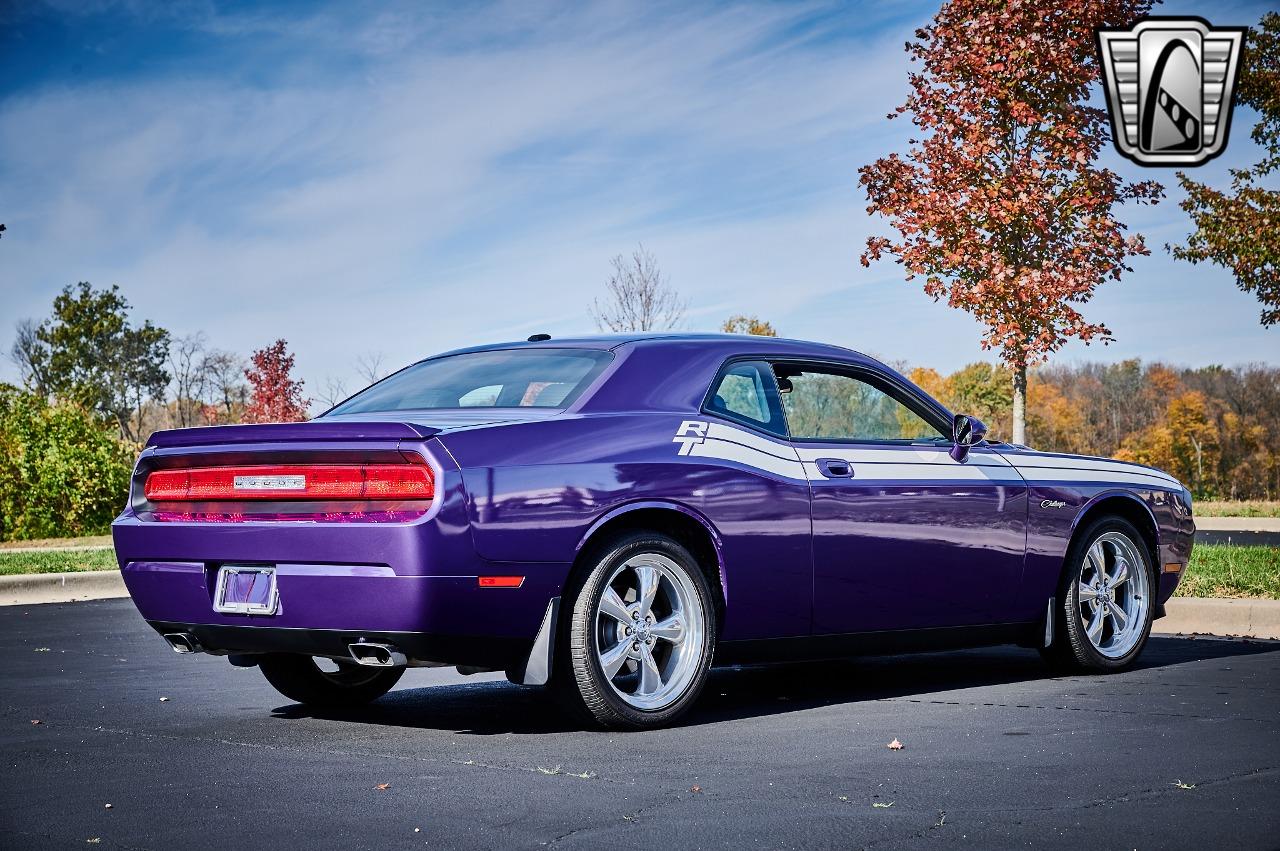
pixel 377 655
pixel 183 642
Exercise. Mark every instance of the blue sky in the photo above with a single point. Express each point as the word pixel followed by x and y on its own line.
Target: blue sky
pixel 410 177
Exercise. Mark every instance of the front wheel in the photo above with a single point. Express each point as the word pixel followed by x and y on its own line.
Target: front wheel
pixel 344 686
pixel 1106 601
pixel 641 634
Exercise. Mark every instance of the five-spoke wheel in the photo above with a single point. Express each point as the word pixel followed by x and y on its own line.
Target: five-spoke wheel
pixel 1113 594
pixel 641 633
pixel 1105 609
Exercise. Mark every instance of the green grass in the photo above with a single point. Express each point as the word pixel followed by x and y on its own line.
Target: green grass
pixel 1239 508
pixel 55 561
pixel 1216 570
pixel 1222 570
pixel 90 541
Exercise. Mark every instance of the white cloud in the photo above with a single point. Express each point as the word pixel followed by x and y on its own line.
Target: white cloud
pixel 407 181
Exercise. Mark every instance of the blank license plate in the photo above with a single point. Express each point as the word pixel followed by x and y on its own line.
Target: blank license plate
pixel 245 590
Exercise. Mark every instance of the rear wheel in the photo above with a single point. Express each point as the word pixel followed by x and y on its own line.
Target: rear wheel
pixel 326 684
pixel 641 634
pixel 1106 601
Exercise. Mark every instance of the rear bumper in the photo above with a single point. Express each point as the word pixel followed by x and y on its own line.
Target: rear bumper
pixel 446 619
pixel 477 651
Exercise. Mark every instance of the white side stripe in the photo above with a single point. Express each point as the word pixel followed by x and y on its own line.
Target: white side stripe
pixel 1041 465
pixel 1132 477
pixel 906 464
pixel 727 451
pixel 904 455
pixel 751 440
pixel 908 473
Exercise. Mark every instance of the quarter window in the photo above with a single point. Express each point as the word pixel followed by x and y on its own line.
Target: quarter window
pixel 834 406
pixel 746 391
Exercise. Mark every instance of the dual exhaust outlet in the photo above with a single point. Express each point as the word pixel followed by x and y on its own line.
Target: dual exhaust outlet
pixel 363 653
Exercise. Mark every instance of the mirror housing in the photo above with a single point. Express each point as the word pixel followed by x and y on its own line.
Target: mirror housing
pixel 966 431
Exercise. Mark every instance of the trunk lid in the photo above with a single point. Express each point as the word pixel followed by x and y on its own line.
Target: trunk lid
pixel 315 430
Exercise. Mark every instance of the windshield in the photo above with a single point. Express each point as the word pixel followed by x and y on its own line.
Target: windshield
pixel 528 378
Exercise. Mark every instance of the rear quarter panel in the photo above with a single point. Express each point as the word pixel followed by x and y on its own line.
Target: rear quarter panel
pixel 536 489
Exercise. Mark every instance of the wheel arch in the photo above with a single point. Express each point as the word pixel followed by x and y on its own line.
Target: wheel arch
pixel 689 527
pixel 1123 504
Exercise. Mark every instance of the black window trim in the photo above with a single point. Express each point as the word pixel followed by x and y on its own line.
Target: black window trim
pixel 737 419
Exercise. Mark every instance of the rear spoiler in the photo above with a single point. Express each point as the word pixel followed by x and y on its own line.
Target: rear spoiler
pixel 316 430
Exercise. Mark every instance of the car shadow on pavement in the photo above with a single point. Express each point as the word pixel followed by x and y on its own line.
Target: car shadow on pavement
pixel 497 707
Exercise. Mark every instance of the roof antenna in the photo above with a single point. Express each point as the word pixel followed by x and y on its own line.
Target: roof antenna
pixel 539 338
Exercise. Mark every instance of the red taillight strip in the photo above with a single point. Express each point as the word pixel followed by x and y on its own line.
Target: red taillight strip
pixel 292 481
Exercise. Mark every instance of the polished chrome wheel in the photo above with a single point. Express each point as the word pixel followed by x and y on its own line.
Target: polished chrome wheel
pixel 1114 595
pixel 649 631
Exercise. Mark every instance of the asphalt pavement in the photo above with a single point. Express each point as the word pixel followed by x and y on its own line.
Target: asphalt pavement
pixel 1181 752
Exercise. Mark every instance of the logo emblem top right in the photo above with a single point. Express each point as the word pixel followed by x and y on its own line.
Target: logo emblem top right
pixel 1169 84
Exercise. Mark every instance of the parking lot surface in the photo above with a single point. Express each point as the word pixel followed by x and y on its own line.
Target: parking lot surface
pixel 1181 752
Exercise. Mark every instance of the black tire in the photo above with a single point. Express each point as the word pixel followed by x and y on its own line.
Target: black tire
pixel 1072 650
pixel 580 679
pixel 299 678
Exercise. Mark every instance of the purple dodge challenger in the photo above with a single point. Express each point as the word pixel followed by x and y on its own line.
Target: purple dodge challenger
pixel 611 515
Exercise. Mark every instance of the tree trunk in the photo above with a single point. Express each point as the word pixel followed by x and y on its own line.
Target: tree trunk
pixel 1020 403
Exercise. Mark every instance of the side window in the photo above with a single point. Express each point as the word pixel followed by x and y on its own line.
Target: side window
pixel 834 406
pixel 746 391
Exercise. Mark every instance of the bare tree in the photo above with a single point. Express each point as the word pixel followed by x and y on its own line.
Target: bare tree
pixel 369 367
pixel 334 391
pixel 190 377
pixel 31 356
pixel 640 297
pixel 224 374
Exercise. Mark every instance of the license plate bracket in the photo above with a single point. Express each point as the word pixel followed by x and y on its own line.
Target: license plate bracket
pixel 244 589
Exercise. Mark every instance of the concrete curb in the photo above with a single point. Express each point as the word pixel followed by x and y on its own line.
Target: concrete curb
pixel 1238 524
pixel 1225 616
pixel 33 588
pixel 1184 615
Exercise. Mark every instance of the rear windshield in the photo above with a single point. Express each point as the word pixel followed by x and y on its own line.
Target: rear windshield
pixel 530 378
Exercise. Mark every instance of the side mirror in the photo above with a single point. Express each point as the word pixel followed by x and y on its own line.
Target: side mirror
pixel 966 431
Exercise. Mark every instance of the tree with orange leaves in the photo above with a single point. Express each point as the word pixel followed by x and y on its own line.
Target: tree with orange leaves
pixel 275 395
pixel 1000 205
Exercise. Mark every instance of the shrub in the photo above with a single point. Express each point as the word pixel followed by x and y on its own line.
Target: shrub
pixel 64 472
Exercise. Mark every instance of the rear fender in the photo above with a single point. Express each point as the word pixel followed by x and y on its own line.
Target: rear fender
pixel 650 504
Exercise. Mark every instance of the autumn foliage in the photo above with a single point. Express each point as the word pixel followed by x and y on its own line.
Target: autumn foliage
pixel 1216 429
pixel 999 204
pixel 1239 228
pixel 275 395
pixel 742 324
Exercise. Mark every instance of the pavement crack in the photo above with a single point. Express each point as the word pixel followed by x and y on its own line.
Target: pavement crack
pixel 1093 709
pixel 633 818
pixel 537 771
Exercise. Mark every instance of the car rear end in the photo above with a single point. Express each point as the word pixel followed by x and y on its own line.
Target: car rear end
pixel 341 539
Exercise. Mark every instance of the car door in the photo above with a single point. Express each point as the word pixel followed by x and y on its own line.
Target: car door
pixel 904 537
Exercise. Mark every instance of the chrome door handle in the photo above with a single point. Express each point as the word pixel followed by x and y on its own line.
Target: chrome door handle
pixel 835 468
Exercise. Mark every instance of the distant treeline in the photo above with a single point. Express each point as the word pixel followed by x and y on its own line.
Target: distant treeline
pixel 1215 428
